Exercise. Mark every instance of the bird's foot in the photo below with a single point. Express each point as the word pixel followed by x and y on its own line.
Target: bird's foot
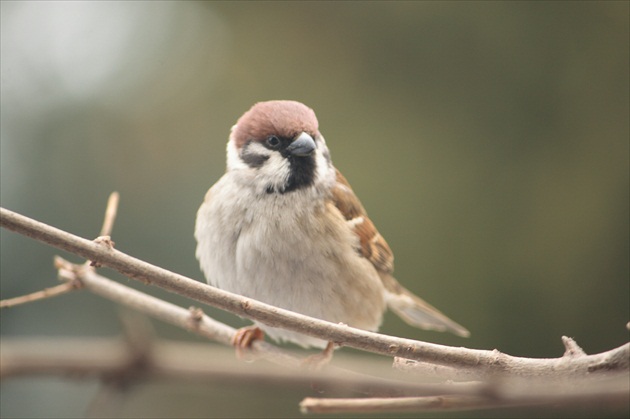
pixel 243 340
pixel 318 361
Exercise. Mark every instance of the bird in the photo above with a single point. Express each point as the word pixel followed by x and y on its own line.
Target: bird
pixel 283 226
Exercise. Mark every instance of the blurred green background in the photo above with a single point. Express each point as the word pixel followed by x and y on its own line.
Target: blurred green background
pixel 489 143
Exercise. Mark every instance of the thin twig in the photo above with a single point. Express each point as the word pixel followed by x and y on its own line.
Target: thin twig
pixel 395 404
pixel 110 214
pixel 40 295
pixel 612 393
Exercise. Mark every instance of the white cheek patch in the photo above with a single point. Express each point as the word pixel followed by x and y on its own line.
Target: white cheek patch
pixel 325 171
pixel 234 161
pixel 275 171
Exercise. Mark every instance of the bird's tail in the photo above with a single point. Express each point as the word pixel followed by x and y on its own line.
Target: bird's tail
pixel 417 312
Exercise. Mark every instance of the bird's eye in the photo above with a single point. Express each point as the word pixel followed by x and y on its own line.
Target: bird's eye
pixel 273 141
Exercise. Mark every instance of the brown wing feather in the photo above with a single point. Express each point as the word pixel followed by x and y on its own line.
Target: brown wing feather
pixel 373 246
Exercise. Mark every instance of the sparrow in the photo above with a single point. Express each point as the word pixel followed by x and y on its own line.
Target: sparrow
pixel 284 227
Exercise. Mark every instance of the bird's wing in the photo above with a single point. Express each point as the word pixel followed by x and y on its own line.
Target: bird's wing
pixel 373 246
pixel 411 308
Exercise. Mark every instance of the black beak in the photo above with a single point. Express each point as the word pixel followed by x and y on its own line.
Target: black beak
pixel 302 146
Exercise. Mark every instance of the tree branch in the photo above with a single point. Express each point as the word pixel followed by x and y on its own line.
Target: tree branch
pixel 571 364
pixel 507 381
pixel 106 357
pixel 482 363
pixel 375 379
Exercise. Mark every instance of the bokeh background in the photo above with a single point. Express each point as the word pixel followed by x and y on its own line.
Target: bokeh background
pixel 489 143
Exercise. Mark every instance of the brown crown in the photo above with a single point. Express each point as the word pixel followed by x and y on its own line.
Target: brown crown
pixel 284 118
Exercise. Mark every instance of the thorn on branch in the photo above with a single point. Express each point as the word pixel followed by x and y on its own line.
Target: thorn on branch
pixel 572 349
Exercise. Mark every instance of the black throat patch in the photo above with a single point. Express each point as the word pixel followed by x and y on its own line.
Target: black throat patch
pixel 302 175
pixel 302 172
